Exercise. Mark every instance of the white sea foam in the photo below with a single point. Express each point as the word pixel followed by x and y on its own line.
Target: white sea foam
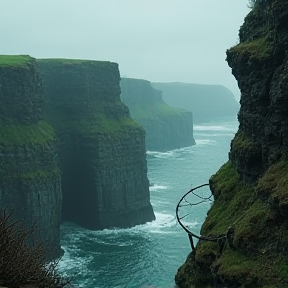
pixel 162 221
pixel 205 142
pixel 69 263
pixel 213 128
pixel 157 154
pixel 74 233
pixel 192 224
pixel 158 202
pixel 156 187
pixel 214 134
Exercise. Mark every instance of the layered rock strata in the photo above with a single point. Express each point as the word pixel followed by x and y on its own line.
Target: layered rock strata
pixel 30 182
pixel 206 102
pixel 102 152
pixel 251 190
pixel 166 127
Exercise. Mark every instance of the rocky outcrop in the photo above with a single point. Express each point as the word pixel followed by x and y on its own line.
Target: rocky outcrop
pixel 102 153
pixel 166 127
pixel 30 182
pixel 251 190
pixel 206 102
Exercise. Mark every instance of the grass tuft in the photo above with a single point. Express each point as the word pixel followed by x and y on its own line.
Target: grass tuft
pixel 17 134
pixel 260 48
pixel 14 60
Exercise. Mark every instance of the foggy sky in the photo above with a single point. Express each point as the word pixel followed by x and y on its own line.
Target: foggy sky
pixel 156 40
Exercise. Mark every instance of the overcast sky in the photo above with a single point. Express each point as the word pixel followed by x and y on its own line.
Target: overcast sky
pixel 157 40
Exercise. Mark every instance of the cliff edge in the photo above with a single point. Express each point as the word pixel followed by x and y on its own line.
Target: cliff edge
pixel 30 182
pixel 251 190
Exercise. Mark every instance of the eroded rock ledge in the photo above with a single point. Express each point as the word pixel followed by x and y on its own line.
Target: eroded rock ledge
pixel 251 190
pixel 30 182
pixel 102 152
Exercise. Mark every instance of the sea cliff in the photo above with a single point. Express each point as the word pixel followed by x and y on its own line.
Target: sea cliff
pixel 102 153
pixel 30 182
pixel 166 127
pixel 251 190
pixel 206 102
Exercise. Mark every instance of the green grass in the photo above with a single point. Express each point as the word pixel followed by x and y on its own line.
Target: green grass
pixel 260 48
pixel 233 264
pixel 40 174
pixel 242 142
pixel 236 205
pixel 252 261
pixel 100 123
pixel 274 184
pixel 14 60
pixel 104 124
pixel 154 111
pixel 252 272
pixel 64 61
pixel 11 134
pixel 207 251
pixel 231 193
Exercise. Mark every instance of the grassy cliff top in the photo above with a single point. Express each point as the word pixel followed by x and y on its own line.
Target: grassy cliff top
pixel 64 61
pixel 17 134
pixel 260 48
pixel 100 124
pixel 156 110
pixel 14 60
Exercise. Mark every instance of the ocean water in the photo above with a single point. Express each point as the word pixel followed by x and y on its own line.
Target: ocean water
pixel 149 255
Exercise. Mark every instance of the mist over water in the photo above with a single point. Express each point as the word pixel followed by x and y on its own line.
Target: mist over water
pixel 149 255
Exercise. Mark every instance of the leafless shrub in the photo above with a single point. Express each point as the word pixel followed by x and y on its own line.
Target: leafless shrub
pixel 23 264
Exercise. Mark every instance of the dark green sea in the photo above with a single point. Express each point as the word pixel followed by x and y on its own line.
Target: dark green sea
pixel 149 255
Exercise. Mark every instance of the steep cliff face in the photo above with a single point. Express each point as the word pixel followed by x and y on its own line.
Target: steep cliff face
pixel 206 102
pixel 166 127
pixel 251 190
pixel 29 177
pixel 102 153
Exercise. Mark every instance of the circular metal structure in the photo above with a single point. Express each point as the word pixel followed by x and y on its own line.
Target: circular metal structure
pixel 185 228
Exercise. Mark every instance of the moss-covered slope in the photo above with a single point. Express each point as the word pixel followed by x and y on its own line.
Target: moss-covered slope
pixel 166 127
pixel 250 190
pixel 29 176
pixel 102 152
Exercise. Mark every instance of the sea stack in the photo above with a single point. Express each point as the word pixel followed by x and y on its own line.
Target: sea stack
pixel 102 153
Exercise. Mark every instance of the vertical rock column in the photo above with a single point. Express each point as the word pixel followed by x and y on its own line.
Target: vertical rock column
pixel 30 183
pixel 102 150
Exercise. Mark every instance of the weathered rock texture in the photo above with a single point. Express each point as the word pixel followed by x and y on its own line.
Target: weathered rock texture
pixel 206 102
pixel 102 153
pixel 166 127
pixel 29 178
pixel 251 190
